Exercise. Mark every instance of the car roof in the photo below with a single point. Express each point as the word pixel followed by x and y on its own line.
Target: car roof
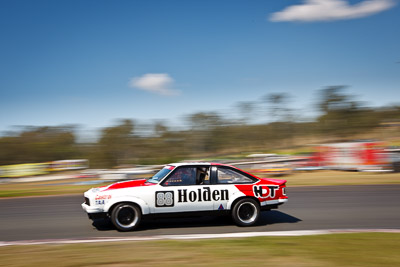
pixel 197 164
pixel 179 164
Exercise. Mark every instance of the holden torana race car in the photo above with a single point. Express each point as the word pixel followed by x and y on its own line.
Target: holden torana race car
pixel 185 188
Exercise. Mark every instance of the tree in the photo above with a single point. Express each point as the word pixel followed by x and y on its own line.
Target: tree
pixel 203 131
pixel 202 121
pixel 246 110
pixel 159 128
pixel 116 143
pixel 277 106
pixel 38 144
pixel 341 115
pixel 332 98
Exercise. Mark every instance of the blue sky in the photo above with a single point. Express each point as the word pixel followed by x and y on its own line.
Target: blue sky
pixel 91 62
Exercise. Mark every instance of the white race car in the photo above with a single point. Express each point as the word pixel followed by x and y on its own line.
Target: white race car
pixel 184 188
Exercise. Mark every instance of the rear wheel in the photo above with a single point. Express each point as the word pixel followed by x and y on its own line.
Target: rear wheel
pixel 246 212
pixel 126 217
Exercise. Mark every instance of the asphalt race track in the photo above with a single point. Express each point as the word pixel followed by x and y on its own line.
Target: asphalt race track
pixel 309 208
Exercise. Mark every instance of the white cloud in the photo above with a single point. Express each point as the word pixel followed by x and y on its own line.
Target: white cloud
pixel 159 83
pixel 328 10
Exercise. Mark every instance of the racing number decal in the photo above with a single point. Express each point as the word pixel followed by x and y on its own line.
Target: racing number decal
pixel 164 199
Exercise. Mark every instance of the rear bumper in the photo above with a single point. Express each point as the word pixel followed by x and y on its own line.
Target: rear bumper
pixel 272 204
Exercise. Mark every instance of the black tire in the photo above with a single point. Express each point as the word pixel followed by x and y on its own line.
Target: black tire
pixel 246 212
pixel 126 216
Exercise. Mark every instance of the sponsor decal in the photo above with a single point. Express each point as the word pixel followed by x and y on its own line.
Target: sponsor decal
pixel 202 194
pixel 101 199
pixel 164 199
pixel 262 191
pixel 221 207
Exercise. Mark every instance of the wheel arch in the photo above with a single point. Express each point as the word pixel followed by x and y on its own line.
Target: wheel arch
pixel 233 203
pixel 144 208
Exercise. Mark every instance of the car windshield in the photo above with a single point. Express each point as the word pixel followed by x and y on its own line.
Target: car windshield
pixel 160 175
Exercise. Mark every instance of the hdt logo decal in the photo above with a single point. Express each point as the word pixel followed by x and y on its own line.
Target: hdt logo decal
pixel 265 191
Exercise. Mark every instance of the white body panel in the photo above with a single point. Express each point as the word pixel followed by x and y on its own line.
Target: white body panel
pixel 184 198
pixel 163 197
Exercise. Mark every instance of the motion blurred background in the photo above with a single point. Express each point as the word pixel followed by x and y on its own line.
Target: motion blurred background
pixel 94 91
pixel 291 86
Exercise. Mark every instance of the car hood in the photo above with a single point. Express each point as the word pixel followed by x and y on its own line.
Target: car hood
pixel 126 184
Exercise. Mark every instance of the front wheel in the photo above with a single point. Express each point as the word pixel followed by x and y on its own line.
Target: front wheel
pixel 126 217
pixel 246 212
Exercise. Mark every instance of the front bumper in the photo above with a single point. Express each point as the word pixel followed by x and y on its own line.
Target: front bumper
pixel 94 212
pixel 91 209
pixel 100 215
pixel 89 206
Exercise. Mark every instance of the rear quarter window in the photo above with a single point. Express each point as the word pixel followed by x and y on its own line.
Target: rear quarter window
pixel 231 176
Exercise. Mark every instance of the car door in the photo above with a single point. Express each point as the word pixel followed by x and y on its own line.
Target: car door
pixel 184 190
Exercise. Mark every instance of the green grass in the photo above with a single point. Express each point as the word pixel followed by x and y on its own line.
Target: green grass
pixel 365 249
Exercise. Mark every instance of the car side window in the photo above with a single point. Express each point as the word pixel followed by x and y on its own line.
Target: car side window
pixel 182 176
pixel 202 176
pixel 229 176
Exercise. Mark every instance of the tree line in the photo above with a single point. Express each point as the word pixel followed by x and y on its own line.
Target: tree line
pixel 209 134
